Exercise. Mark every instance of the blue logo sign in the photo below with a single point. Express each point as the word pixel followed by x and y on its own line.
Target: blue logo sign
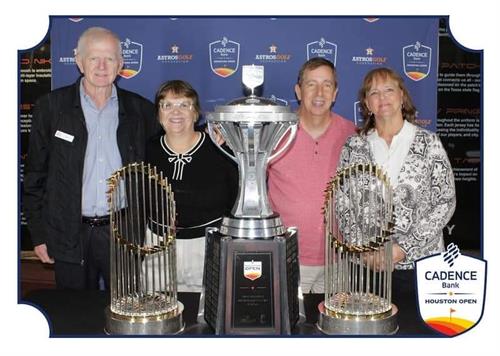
pixel 224 57
pixel 451 289
pixel 322 48
pixel 132 59
pixel 358 116
pixel 417 61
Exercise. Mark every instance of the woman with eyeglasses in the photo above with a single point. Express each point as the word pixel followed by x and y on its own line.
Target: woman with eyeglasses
pixel 203 179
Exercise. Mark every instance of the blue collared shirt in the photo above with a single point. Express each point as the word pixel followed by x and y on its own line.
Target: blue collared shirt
pixel 102 157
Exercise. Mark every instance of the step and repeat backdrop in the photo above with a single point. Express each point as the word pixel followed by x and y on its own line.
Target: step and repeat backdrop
pixel 209 52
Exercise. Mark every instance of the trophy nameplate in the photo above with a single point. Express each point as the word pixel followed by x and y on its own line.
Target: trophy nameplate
pixel 253 297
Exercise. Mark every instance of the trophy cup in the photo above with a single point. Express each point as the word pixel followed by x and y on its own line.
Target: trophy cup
pixel 251 263
pixel 358 217
pixel 143 263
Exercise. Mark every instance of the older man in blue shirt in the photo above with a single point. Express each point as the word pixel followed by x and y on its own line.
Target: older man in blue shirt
pixel 80 135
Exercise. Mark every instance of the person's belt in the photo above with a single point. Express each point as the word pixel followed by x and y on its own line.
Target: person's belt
pixel 96 220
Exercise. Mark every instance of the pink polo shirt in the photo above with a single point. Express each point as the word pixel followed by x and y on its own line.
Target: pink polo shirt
pixel 297 180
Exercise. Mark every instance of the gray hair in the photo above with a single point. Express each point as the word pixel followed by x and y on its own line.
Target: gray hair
pixel 97 33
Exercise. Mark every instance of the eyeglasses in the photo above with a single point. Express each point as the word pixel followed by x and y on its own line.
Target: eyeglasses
pixel 167 106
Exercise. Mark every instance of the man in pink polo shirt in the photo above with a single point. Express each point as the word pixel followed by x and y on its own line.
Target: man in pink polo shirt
pixel 297 179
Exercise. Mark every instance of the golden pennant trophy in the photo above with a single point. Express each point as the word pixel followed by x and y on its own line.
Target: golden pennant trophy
pixel 143 280
pixel 358 267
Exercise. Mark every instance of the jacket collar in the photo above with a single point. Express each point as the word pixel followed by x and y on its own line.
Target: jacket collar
pixel 76 104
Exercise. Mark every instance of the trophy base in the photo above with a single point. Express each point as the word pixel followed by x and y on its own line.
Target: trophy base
pixel 336 325
pixel 152 325
pixel 251 285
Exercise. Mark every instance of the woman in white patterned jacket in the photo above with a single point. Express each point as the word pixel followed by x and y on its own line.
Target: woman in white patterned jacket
pixel 417 165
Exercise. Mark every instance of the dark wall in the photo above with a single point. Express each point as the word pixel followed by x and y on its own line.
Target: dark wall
pixel 459 125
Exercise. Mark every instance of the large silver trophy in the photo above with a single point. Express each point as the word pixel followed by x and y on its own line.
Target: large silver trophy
pixel 251 264
pixel 143 263
pixel 358 217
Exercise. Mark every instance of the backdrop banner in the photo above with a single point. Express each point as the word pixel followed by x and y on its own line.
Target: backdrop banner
pixel 209 52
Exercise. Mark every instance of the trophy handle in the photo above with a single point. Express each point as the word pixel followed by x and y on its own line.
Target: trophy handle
pixel 293 131
pixel 211 133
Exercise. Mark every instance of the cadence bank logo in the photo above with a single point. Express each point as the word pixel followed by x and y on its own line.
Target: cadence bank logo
pixel 252 270
pixel 369 58
pixel 358 116
pixel 324 49
pixel 132 59
pixel 451 289
pixel 175 56
pixel 417 61
pixel 224 57
pixel 273 56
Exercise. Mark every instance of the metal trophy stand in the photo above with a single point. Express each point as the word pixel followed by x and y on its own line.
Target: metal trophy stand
pixel 143 262
pixel 358 217
pixel 251 262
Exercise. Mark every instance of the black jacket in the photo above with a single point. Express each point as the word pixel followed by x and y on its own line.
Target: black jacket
pixel 54 167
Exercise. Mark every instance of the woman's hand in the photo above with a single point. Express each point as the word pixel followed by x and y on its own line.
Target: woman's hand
pixel 216 135
pixel 376 260
pixel 398 254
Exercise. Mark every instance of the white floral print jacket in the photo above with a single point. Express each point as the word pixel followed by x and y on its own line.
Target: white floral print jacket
pixel 424 195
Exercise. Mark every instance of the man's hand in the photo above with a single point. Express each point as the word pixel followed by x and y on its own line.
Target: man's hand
pixel 41 252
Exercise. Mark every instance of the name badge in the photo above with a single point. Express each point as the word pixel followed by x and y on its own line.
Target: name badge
pixel 64 136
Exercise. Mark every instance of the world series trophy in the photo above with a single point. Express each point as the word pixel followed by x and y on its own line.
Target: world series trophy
pixel 251 263
pixel 358 217
pixel 143 280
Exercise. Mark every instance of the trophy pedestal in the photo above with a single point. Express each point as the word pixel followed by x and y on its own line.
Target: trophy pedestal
pixel 251 285
pixel 169 323
pixel 337 324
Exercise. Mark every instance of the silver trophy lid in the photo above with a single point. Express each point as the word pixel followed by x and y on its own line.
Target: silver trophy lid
pixel 253 103
pixel 253 108
pixel 253 79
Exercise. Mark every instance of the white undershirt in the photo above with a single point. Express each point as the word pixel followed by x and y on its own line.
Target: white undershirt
pixel 391 158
